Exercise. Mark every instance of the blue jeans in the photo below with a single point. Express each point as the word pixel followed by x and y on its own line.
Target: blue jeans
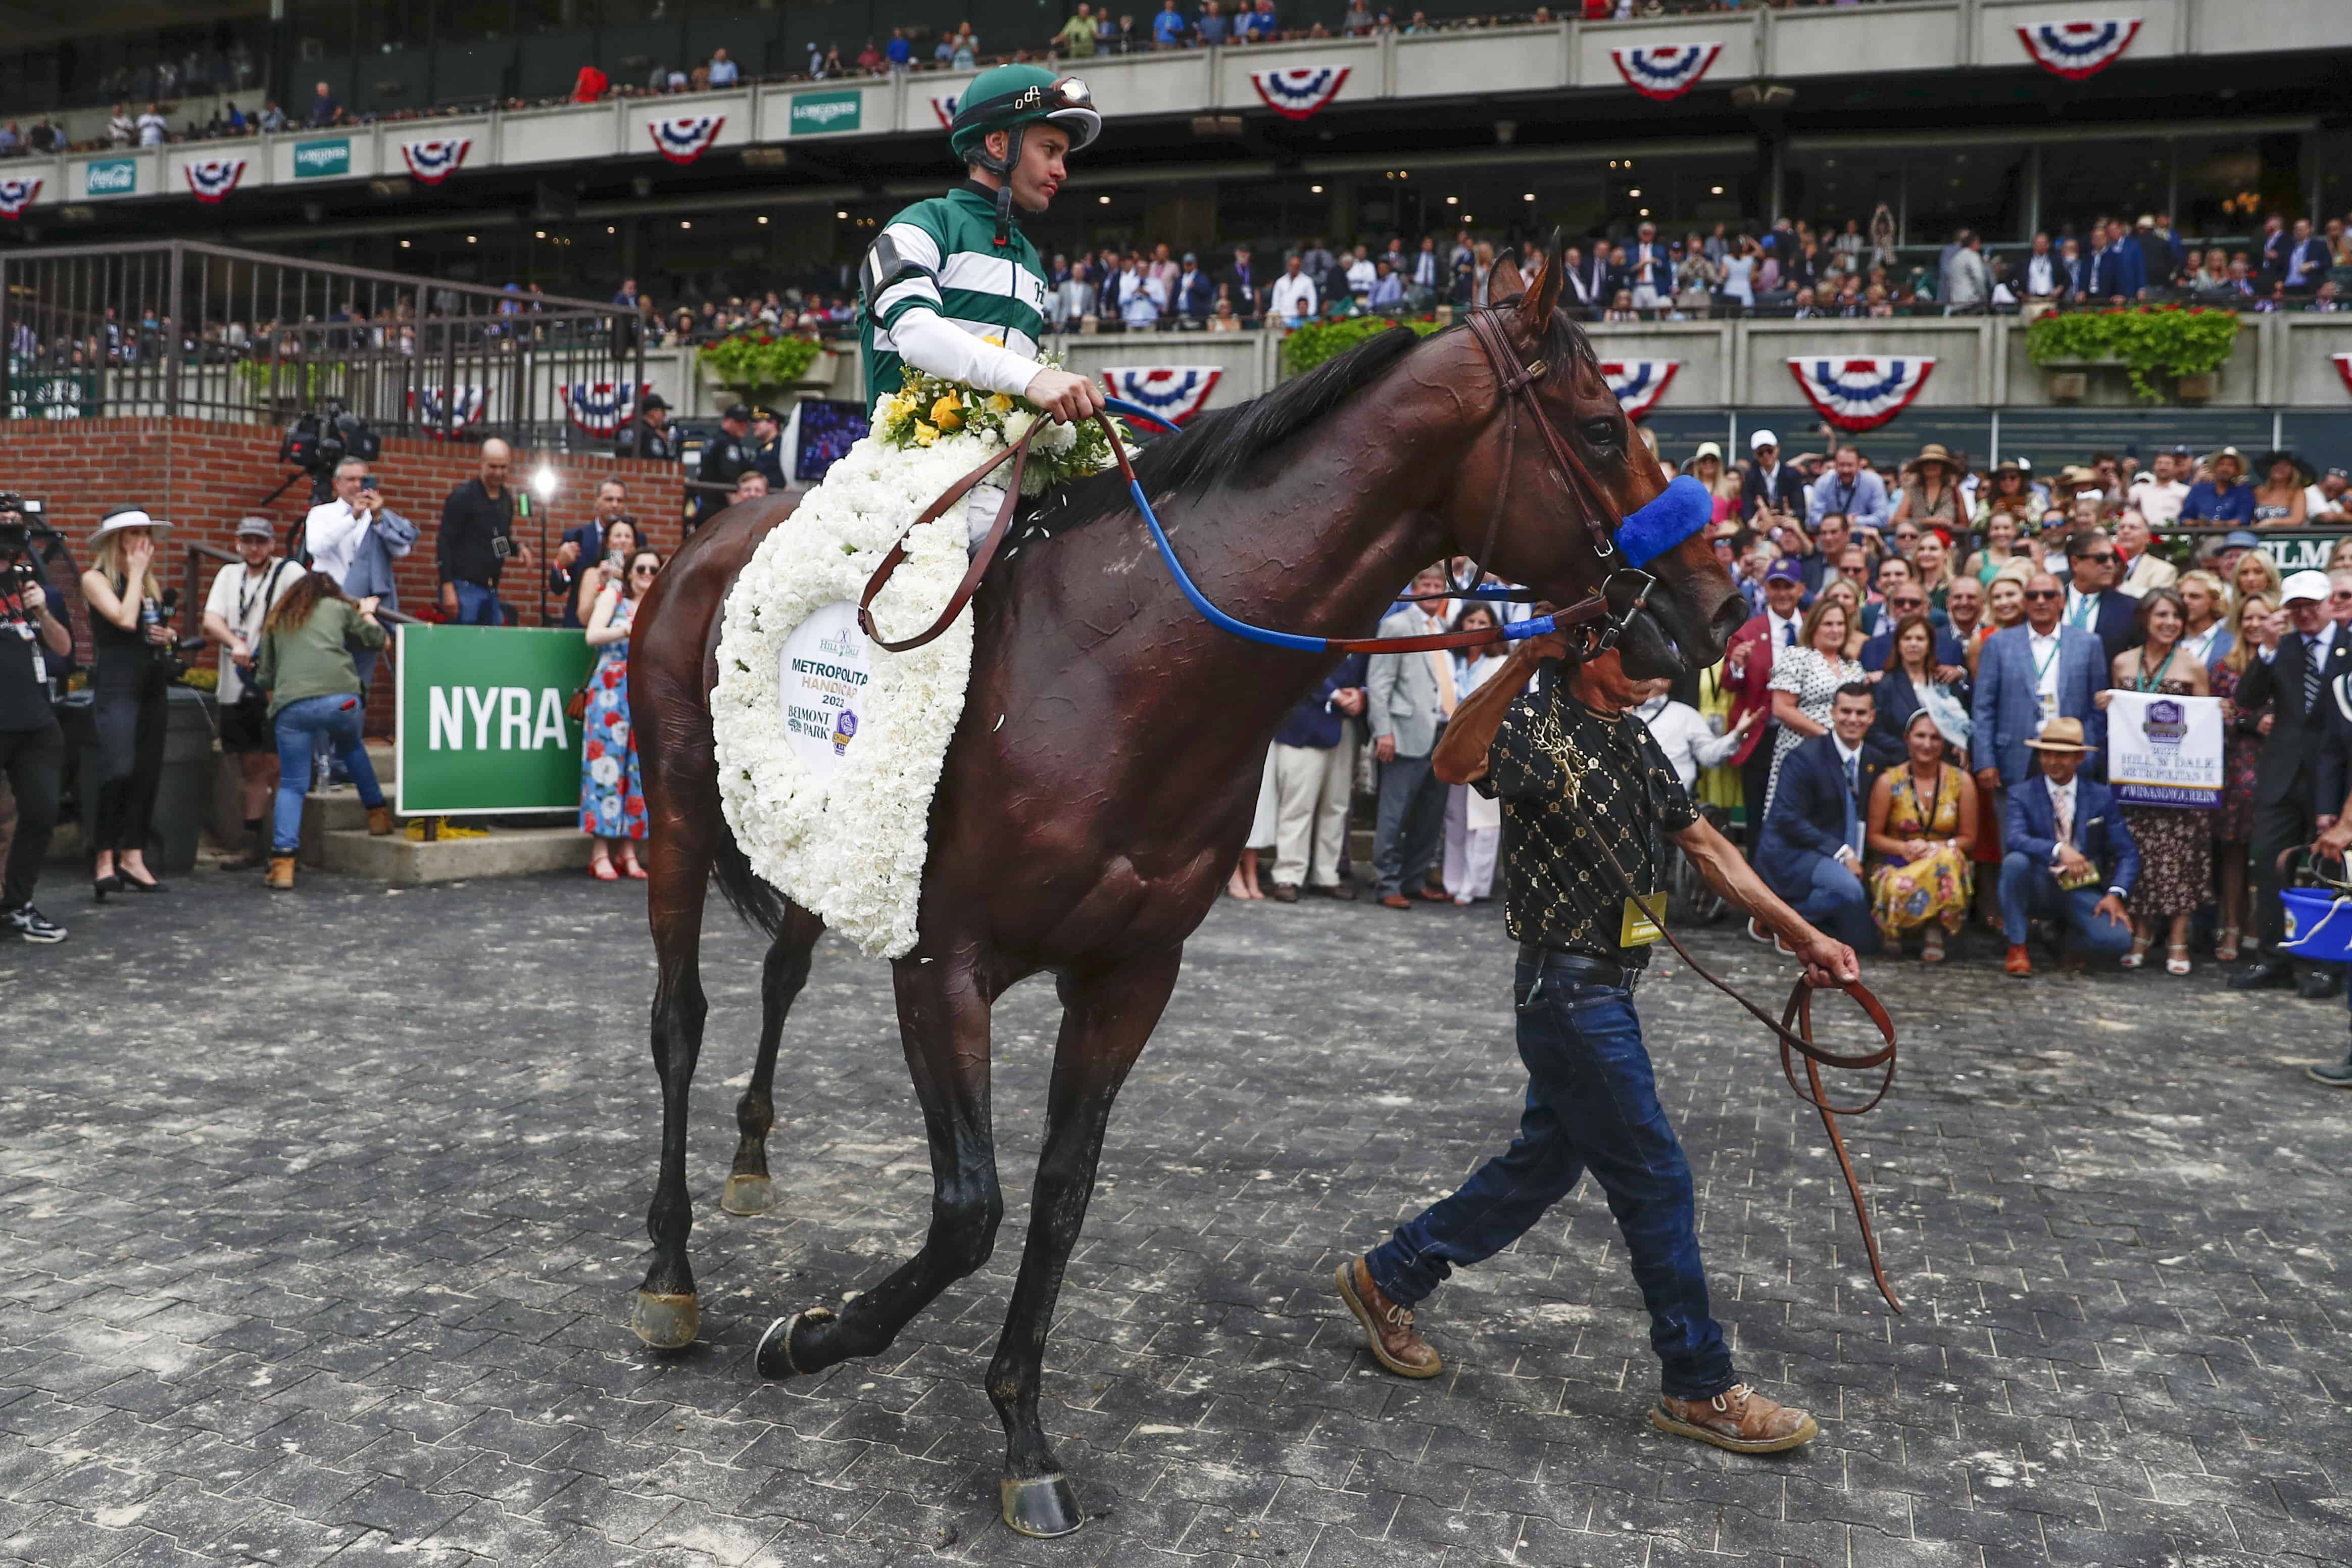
pixel 1592 1103
pixel 478 606
pixel 330 721
pixel 2029 889
pixel 1834 900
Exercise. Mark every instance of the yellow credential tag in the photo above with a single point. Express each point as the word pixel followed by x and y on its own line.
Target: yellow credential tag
pixel 1641 927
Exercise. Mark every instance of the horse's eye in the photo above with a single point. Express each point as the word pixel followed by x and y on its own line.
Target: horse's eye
pixel 1600 432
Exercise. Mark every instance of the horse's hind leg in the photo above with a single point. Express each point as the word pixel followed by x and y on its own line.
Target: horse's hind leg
pixel 1106 1016
pixel 679 855
pixel 943 1025
pixel 749 1190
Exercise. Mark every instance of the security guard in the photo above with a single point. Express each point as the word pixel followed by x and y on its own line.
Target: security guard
pixel 652 426
pixel 768 446
pixel 728 457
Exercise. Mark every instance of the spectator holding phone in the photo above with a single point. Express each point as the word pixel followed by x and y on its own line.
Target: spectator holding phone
pixel 621 544
pixel 583 546
pixel 612 798
pixel 305 664
pixel 356 538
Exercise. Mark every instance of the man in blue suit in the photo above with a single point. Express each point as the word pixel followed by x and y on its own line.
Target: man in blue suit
pixel 2068 856
pixel 2093 604
pixel 2117 270
pixel 1812 848
pixel 2028 675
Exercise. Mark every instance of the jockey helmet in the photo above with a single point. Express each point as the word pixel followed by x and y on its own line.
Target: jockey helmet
pixel 1006 98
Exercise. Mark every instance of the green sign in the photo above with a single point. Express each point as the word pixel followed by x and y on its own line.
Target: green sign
pixel 320 159
pixel 66 395
pixel 109 177
pixel 2302 552
pixel 478 722
pixel 819 111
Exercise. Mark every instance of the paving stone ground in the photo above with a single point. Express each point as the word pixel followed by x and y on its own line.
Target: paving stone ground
pixel 319 1215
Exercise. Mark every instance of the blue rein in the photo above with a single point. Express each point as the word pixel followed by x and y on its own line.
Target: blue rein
pixel 1679 511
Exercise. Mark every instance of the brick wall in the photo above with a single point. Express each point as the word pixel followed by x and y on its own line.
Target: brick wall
pixel 203 476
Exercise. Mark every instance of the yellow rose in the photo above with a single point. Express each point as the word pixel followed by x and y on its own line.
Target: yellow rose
pixel 1000 403
pixel 948 412
pixel 925 434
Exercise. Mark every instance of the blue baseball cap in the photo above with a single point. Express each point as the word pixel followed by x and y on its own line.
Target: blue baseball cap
pixel 1784 570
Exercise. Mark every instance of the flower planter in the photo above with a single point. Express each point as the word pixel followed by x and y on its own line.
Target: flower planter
pixel 2198 387
pixel 2067 385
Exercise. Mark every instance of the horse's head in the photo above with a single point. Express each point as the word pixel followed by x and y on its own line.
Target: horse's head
pixel 1544 539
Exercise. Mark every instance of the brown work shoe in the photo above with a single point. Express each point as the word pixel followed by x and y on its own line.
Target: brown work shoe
pixel 1740 1419
pixel 1284 892
pixel 1389 1332
pixel 1396 902
pixel 282 872
pixel 379 821
pixel 2019 962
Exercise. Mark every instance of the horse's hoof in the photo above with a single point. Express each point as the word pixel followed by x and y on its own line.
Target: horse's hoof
pixel 666 1322
pixel 748 1194
pixel 1042 1505
pixel 774 1357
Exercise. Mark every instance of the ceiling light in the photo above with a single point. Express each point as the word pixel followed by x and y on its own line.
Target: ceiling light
pixel 1635 192
pixel 608 228
pixel 470 239
pixel 539 234
pixel 403 245
pixel 1528 197
pixel 842 212
pixel 686 222
pixel 1646 212
pixel 764 218
pixel 1315 190
pixel 1104 200
pixel 1453 201
pixel 1715 190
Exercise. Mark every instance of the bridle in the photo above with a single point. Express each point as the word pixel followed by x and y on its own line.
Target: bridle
pixel 1599 618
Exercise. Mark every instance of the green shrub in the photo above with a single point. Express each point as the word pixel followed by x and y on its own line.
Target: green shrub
pixel 1311 344
pixel 760 362
pixel 2150 341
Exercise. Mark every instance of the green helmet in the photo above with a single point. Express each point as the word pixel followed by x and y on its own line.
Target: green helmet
pixel 1006 98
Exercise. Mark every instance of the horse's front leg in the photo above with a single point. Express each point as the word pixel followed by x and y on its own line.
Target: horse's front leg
pixel 1106 1016
pixel 943 1026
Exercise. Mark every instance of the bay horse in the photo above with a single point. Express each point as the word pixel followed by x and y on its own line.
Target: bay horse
pixel 1102 778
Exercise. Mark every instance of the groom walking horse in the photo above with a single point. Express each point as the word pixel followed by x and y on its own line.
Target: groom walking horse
pixel 1103 775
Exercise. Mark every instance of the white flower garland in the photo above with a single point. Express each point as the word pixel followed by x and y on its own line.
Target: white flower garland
pixel 850 847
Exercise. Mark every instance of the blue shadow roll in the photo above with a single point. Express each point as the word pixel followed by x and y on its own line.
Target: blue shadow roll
pixel 1681 510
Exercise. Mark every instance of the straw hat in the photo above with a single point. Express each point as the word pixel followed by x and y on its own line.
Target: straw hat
pixel 1934 452
pixel 2060 735
pixel 123 517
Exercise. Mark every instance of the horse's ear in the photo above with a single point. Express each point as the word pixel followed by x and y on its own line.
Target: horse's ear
pixel 1506 281
pixel 1536 304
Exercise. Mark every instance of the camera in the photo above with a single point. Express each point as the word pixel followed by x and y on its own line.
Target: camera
pixel 318 441
pixel 162 613
pixel 17 540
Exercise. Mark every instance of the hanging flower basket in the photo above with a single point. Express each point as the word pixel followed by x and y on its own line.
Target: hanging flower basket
pixel 762 366
pixel 2188 344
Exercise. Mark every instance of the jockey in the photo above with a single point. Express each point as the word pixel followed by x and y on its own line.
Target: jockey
pixel 950 273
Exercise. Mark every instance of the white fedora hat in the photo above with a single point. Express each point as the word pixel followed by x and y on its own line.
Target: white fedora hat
pixel 123 517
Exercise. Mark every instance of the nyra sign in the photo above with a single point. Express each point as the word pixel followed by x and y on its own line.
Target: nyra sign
pixel 479 725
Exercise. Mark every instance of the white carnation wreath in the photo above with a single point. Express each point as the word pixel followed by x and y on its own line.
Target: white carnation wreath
pixel 850 846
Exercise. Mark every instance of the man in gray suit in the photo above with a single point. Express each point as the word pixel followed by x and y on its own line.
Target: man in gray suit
pixel 1409 699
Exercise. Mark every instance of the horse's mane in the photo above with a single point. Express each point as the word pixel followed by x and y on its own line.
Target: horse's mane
pixel 1218 446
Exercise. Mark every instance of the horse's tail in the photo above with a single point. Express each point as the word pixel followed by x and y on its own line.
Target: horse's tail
pixel 753 898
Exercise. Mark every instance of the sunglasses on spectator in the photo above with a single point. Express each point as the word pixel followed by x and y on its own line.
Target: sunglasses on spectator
pixel 2041 594
pixel 2106 558
pixel 1908 604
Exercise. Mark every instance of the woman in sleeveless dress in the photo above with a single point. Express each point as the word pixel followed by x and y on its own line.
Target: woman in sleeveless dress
pixel 2278 500
pixel 1932 496
pixel 2176 843
pixel 1922 820
pixel 2253 626
pixel 1804 683
pixel 612 798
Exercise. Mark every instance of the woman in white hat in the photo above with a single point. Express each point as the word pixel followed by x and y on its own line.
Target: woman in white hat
pixel 1707 467
pixel 123 589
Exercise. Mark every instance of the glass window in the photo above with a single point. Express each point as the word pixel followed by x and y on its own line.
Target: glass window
pixel 2082 180
pixel 1828 187
pixel 1948 189
pixel 2227 182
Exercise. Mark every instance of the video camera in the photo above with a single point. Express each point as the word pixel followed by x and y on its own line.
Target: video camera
pixel 315 442
pixel 19 528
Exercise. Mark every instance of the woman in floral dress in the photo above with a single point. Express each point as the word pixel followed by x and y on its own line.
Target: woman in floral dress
pixel 1805 684
pixel 1922 819
pixel 612 800
pixel 2176 843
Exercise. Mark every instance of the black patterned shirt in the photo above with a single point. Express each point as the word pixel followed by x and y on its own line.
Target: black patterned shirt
pixel 1572 780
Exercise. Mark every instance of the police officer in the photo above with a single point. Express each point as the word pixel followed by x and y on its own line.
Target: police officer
pixel 728 457
pixel 651 427
pixel 768 446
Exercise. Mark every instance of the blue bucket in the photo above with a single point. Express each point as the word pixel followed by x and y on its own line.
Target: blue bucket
pixel 2318 924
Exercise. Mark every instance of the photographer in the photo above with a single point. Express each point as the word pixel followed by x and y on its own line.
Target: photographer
pixel 32 748
pixel 241 597
pixel 585 545
pixel 305 664
pixel 476 539
pixel 135 666
pixel 356 538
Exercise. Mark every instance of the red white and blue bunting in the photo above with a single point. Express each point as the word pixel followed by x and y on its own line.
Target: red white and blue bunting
pixel 1174 392
pixel 601 407
pixel 1665 70
pixel 214 178
pixel 683 140
pixel 1638 384
pixel 434 161
pixel 1299 93
pixel 2078 50
pixel 1861 393
pixel 434 408
pixel 15 195
pixel 2343 362
pixel 945 108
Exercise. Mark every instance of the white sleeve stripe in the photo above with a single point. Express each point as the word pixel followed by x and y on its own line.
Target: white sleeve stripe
pixel 915 244
pixel 904 290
